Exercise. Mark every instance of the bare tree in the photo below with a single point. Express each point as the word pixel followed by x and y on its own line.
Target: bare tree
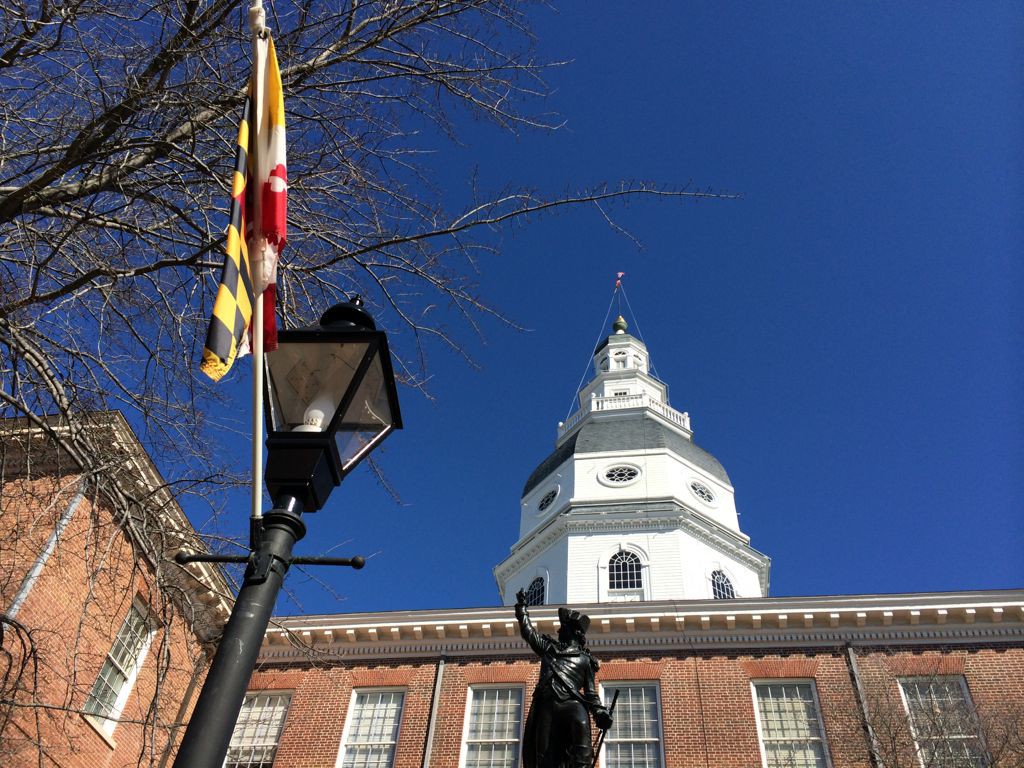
pixel 78 550
pixel 117 129
pixel 926 721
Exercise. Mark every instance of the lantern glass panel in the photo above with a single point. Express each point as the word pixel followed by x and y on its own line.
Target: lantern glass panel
pixel 307 382
pixel 368 417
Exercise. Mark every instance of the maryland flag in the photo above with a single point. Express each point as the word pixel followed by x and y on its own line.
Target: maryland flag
pixel 250 264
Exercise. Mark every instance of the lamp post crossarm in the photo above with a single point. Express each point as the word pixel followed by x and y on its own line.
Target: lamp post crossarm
pixel 183 558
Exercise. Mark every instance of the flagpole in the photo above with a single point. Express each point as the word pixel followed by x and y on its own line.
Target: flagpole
pixel 257 25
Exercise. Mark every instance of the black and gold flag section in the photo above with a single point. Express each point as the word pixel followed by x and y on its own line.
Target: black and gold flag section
pixel 232 310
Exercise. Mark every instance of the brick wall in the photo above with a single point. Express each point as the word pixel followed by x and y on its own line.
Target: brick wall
pixel 708 717
pixel 72 614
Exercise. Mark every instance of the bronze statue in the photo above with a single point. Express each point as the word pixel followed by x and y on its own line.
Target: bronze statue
pixel 558 726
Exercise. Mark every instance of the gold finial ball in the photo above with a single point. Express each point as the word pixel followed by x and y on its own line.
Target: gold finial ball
pixel 620 326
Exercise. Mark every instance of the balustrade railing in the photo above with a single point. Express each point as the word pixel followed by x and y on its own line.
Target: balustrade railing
pixel 619 402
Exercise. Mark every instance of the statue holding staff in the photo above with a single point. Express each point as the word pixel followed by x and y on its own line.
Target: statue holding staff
pixel 558 726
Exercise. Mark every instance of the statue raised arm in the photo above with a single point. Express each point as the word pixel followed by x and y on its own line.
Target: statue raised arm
pixel 558 727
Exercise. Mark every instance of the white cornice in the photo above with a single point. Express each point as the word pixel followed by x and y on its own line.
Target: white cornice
pixel 942 618
pixel 659 515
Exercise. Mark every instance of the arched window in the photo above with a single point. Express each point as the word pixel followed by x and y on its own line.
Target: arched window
pixel 625 571
pixel 620 359
pixel 721 587
pixel 535 592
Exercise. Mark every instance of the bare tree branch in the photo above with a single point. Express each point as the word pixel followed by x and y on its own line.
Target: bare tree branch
pixel 117 133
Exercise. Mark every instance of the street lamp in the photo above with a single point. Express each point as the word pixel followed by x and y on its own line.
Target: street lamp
pixel 330 400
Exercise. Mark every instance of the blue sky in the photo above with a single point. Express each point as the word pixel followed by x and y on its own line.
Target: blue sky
pixel 846 337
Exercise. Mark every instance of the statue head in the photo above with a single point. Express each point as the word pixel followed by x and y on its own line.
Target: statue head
pixel 574 625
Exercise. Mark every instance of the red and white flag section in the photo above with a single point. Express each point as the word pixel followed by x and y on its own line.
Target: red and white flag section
pixel 272 187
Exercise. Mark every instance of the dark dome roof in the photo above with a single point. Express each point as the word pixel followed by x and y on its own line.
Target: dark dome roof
pixel 602 344
pixel 623 434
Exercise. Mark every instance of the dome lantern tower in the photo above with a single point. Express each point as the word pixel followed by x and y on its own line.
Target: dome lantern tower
pixel 627 506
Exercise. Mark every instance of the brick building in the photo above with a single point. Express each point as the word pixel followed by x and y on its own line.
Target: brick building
pixel 742 682
pixel 627 519
pixel 631 521
pixel 105 639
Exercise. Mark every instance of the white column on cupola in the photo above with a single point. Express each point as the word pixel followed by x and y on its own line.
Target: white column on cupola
pixel 627 506
pixel 622 375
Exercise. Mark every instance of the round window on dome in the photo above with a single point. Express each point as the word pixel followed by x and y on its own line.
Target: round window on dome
pixel 621 474
pixel 702 492
pixel 547 500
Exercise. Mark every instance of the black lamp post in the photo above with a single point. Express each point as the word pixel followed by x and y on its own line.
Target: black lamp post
pixel 330 400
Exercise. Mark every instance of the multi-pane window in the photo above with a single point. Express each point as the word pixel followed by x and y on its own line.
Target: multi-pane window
pixel 721 587
pixel 117 675
pixel 535 592
pixel 621 474
pixel 943 721
pixel 547 500
pixel 625 571
pixel 372 731
pixel 258 730
pixel 702 492
pixel 790 725
pixel 493 727
pixel 634 740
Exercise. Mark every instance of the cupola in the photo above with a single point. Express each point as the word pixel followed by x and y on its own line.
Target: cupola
pixel 627 506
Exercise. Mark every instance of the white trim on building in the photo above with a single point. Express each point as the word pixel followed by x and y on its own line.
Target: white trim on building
pixel 994 617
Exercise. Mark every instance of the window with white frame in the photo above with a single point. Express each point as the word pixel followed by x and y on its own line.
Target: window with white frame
pixel 634 740
pixel 547 500
pixel 721 586
pixel 372 729
pixel 620 474
pixel 117 675
pixel 943 721
pixel 625 571
pixel 620 359
pixel 493 728
pixel 535 592
pixel 789 724
pixel 257 730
